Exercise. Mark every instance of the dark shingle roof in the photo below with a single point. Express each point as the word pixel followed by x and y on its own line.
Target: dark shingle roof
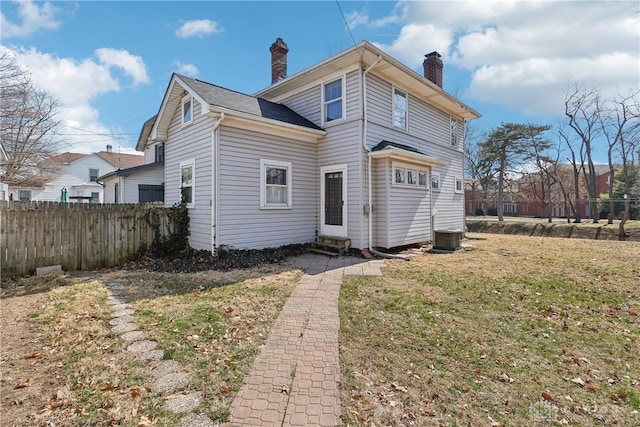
pixel 385 144
pixel 247 104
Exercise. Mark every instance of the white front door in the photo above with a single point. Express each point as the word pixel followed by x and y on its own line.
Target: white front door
pixel 333 200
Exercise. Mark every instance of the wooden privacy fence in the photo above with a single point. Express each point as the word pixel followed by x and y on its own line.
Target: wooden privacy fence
pixel 77 236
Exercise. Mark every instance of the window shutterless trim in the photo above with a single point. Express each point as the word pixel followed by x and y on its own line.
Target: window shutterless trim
pixel 266 163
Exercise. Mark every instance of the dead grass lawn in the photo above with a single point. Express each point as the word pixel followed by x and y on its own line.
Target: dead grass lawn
pixel 520 331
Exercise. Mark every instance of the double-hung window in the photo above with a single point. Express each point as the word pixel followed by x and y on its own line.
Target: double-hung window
pixel 399 109
pixel 459 185
pixel 275 184
pixel 187 182
pixel 333 100
pixel 159 153
pixel 187 110
pixel 435 181
pixel 93 175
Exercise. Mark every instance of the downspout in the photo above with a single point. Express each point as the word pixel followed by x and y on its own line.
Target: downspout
pixel 369 162
pixel 214 182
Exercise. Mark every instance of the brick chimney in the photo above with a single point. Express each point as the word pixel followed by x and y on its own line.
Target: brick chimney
pixel 279 51
pixel 433 67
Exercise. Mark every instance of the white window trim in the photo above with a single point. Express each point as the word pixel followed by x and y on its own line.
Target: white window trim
pixel 185 99
pixel 455 185
pixel 263 184
pixel 188 163
pixel 343 79
pixel 393 108
pixel 97 174
pixel 435 174
pixel 406 168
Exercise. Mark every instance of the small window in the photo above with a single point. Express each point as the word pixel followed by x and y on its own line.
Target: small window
pixel 159 153
pixel 454 132
pixel 400 176
pixel 93 175
pixel 333 100
pixel 275 184
pixel 435 181
pixel 399 109
pixel 422 179
pixel 412 177
pixel 95 196
pixel 187 110
pixel 187 183
pixel 24 195
pixel 459 185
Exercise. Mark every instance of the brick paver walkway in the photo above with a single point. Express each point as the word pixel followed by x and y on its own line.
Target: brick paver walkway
pixel 294 380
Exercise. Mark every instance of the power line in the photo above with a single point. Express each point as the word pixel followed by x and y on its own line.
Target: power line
pixel 345 23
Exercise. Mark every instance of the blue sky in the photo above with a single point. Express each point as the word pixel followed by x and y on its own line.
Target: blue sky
pixel 109 62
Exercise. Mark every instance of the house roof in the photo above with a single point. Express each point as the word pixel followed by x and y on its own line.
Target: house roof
pixel 145 132
pixel 129 171
pixel 395 151
pixel 217 99
pixel 66 158
pixel 121 160
pixel 236 101
pixel 364 55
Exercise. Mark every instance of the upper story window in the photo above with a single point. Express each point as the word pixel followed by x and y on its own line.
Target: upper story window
pixel 93 175
pixel 187 110
pixel 159 153
pixel 399 109
pixel 187 171
pixel 333 100
pixel 459 185
pixel 454 132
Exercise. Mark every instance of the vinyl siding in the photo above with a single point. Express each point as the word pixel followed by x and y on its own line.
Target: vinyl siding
pixel 242 224
pixel 307 104
pixel 186 143
pixel 380 194
pixel 130 184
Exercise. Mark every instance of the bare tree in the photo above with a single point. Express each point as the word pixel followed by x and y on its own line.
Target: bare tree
pixel 481 172
pixel 582 107
pixel 28 125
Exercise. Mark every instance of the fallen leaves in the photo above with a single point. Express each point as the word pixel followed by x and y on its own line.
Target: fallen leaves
pixel 24 384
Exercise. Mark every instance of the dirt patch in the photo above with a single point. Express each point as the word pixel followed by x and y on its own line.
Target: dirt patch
pixel 30 368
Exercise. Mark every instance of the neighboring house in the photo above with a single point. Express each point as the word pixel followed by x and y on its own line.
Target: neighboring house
pixel 358 146
pixel 4 188
pixel 78 174
pixel 139 184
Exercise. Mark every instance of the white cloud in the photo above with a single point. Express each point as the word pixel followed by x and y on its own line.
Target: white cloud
pixel 198 28
pixel 132 65
pixel 34 18
pixel 188 70
pixel 524 54
pixel 76 84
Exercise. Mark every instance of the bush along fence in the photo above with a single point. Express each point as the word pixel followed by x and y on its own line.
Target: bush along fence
pixel 76 236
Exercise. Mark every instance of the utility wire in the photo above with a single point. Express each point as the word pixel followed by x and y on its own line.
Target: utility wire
pixel 345 23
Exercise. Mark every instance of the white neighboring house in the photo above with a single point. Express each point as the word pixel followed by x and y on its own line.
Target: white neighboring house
pixel 4 188
pixel 142 183
pixel 78 174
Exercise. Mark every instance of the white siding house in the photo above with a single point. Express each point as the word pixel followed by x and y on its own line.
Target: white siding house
pixel 358 146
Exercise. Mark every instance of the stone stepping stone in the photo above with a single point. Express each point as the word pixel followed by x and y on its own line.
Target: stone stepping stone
pixel 120 320
pixel 196 420
pixel 115 301
pixel 142 346
pixel 134 336
pixel 125 312
pixel 151 356
pixel 165 367
pixel 183 402
pixel 115 286
pixel 124 327
pixel 119 307
pixel 171 382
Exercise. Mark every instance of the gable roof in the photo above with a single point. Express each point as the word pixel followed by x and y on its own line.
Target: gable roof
pixel 121 160
pixel 363 55
pixel 145 132
pixel 66 158
pixel 222 100
pixel 132 170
